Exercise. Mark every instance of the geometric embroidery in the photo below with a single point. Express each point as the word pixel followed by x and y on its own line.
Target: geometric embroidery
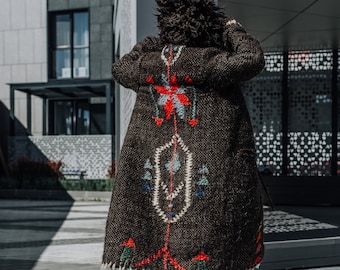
pixel 147 176
pixel 148 165
pixel 201 260
pixel 202 181
pixel 161 190
pixel 176 166
pixel 129 247
pixel 173 98
pixel 166 191
pixel 172 189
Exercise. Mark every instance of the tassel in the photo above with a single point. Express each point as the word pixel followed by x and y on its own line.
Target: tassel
pixel 110 266
pixel 256 267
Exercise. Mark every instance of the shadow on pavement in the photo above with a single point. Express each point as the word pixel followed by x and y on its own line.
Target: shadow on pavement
pixel 301 237
pixel 27 228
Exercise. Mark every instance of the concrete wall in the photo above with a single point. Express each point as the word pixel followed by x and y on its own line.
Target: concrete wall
pixel 133 21
pixel 23 52
pixel 90 153
pixel 125 24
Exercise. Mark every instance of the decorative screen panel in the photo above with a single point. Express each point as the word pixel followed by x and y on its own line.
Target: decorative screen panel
pixel 307 60
pixel 264 101
pixel 310 114
pixel 274 62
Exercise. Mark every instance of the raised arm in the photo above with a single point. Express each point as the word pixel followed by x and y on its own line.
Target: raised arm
pixel 244 60
pixel 126 71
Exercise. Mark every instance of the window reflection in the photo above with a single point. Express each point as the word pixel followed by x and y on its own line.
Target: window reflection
pixel 78 117
pixel 80 45
pixel 63 62
pixel 70 57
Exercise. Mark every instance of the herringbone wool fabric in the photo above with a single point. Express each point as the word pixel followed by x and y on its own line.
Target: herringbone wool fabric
pixel 186 194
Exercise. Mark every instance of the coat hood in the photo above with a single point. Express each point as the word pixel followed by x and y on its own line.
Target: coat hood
pixel 197 23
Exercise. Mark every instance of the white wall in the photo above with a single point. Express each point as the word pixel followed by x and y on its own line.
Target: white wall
pixel 23 52
pixel 133 21
pixel 125 37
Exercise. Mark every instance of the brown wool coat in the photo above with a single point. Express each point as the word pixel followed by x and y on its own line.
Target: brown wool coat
pixel 186 194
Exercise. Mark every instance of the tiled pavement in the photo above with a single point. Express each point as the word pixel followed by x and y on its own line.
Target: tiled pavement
pixel 48 235
pixel 65 235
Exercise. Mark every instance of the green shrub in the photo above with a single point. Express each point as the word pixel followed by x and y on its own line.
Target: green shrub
pixel 87 184
pixel 31 174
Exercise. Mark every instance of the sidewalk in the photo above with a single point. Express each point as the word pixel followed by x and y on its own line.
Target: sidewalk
pixel 48 235
pixel 66 235
pixel 299 237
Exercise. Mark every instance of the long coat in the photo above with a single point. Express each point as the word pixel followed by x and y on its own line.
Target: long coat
pixel 186 194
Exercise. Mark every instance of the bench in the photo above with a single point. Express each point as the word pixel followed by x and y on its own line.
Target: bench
pixel 73 172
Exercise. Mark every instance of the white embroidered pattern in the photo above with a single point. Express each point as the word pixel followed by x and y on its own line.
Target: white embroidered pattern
pixel 110 266
pixel 160 186
pixel 177 54
pixel 175 193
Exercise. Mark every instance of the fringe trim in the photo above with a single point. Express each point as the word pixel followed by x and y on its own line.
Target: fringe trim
pixel 110 266
pixel 256 267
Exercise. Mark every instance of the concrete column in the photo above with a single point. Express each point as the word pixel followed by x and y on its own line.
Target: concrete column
pixel 108 108
pixel 44 116
pixel 11 112
pixel 29 113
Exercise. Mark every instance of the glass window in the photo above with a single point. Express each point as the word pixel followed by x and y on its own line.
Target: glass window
pixel 63 122
pixel 81 45
pixel 83 118
pixel 70 45
pixel 98 118
pixel 63 27
pixel 78 117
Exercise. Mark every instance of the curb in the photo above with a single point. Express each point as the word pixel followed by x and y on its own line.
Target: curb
pixel 57 195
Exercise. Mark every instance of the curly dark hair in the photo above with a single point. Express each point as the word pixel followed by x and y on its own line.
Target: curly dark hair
pixel 196 23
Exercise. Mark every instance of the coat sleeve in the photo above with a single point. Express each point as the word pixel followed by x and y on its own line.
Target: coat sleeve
pixel 126 71
pixel 241 62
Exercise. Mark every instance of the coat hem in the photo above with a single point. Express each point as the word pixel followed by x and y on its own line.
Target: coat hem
pixel 110 266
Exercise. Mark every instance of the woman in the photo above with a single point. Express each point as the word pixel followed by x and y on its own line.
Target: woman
pixel 186 194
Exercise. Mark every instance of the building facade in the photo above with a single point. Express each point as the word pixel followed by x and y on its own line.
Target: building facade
pixel 56 83
pixel 58 101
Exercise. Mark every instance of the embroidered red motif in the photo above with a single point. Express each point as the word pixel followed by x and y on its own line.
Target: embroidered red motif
pixel 201 257
pixel 173 94
pixel 188 79
pixel 259 237
pixel 159 121
pixel 259 248
pixel 193 122
pixel 129 243
pixel 258 260
pixel 166 258
pixel 150 80
pixel 173 98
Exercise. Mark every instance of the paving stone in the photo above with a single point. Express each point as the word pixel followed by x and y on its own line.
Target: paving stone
pixel 41 235
pixel 55 235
